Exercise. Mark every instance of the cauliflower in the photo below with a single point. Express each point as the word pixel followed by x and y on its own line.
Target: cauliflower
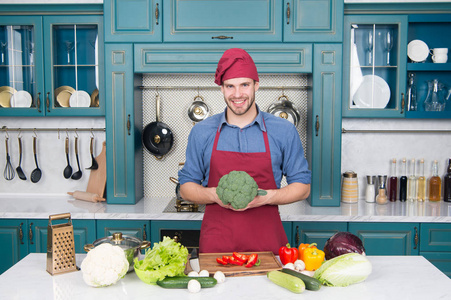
pixel 104 265
pixel 238 188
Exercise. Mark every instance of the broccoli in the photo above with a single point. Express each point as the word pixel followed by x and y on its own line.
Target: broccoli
pixel 238 188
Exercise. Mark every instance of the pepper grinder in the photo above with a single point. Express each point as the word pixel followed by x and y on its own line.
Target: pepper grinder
pixel 381 198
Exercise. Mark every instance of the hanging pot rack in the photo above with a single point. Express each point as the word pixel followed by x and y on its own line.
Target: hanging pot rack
pixel 180 87
pixel 51 129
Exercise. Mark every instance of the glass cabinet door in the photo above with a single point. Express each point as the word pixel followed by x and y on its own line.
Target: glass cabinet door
pixel 374 67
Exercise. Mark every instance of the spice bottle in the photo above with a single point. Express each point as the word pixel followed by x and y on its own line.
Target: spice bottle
pixel 381 197
pixel 370 189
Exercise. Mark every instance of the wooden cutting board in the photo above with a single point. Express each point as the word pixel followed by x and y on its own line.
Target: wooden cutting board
pixel 207 261
pixel 97 178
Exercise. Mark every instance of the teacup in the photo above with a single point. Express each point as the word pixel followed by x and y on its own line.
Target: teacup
pixel 439 55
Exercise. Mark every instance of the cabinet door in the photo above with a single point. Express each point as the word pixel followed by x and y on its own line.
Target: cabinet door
pixel 139 229
pixel 222 21
pixel 435 237
pixel 442 260
pixel 123 127
pixel 185 232
pixel 324 145
pixel 13 238
pixel 388 238
pixel 21 66
pixel 374 67
pixel 73 66
pixel 316 232
pixel 313 21
pixel 133 20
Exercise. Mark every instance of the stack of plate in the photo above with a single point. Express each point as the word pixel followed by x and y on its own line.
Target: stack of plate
pixel 63 94
pixel 67 96
pixel 417 51
pixel 21 99
pixel 373 92
pixel 6 93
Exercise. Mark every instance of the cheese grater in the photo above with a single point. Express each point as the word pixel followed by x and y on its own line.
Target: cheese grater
pixel 60 245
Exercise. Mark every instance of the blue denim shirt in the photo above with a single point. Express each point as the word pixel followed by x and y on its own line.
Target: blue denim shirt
pixel 287 154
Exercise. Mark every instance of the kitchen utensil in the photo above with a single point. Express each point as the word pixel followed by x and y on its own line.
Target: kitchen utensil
pixel 60 245
pixel 417 51
pixel 94 164
pixel 435 99
pixel 349 187
pixel 373 92
pixel 19 170
pixel 285 109
pixel 207 261
pixel 157 136
pixel 130 244
pixel 97 178
pixel 79 99
pixel 9 173
pixel 21 99
pixel 68 169
pixel 198 110
pixel 36 173
pixel 63 94
pixel 77 175
pixel 194 261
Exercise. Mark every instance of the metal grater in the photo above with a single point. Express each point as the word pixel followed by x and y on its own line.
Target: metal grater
pixel 60 245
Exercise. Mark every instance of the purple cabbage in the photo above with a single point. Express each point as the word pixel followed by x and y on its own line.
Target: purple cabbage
pixel 342 243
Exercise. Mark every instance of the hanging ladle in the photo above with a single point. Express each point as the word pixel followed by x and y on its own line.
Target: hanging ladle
pixel 37 173
pixel 19 170
pixel 77 175
pixel 68 169
pixel 94 164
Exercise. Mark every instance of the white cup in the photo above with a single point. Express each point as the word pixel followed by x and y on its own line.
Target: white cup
pixel 439 55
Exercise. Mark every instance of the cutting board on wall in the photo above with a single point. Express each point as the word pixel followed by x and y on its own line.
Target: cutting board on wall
pixel 207 261
pixel 97 178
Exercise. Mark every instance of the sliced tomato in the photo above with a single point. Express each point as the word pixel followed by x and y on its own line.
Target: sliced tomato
pixel 241 257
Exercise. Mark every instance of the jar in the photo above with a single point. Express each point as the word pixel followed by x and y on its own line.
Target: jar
pixel 349 187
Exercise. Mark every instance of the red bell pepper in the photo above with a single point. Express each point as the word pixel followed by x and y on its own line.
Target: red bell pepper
pixel 288 254
pixel 252 260
pixel 234 261
pixel 240 257
pixel 221 261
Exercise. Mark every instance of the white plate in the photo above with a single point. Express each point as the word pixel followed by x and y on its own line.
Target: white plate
pixel 417 50
pixel 80 99
pixel 373 92
pixel 21 99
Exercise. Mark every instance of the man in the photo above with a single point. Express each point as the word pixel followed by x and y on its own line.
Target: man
pixel 243 138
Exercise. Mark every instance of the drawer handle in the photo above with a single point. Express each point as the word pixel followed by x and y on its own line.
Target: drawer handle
pixel 416 238
pixel 144 233
pixel 48 102
pixel 297 238
pixel 30 233
pixel 157 14
pixel 317 125
pixel 21 233
pixel 403 103
pixel 222 37
pixel 38 102
pixel 128 124
pixel 288 13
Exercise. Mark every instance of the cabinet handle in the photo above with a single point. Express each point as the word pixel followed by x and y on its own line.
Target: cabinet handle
pixel 416 238
pixel 288 13
pixel 157 14
pixel 128 124
pixel 21 233
pixel 48 101
pixel 30 233
pixel 38 102
pixel 403 103
pixel 317 125
pixel 144 233
pixel 297 237
pixel 222 37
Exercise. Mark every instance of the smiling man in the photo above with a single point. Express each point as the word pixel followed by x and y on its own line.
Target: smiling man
pixel 243 138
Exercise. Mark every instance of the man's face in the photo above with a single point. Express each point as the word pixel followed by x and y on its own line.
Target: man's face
pixel 239 94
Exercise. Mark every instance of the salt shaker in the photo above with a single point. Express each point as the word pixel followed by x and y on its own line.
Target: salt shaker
pixel 370 189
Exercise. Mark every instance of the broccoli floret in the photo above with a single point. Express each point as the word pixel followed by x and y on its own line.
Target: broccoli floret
pixel 237 188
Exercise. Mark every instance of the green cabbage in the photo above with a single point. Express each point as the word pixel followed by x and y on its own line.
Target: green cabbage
pixel 166 258
pixel 344 270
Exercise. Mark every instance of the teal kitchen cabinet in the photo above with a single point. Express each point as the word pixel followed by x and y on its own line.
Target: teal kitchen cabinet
pixel 313 21
pixel 435 245
pixel 136 228
pixel 19 237
pixel 316 232
pixel 374 66
pixel 222 21
pixel 133 20
pixel 51 65
pixel 123 127
pixel 388 238
pixel 324 125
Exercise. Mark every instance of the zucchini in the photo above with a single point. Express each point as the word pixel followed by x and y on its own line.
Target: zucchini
pixel 181 282
pixel 291 283
pixel 311 283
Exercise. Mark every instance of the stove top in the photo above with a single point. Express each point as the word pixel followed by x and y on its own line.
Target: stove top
pixel 177 205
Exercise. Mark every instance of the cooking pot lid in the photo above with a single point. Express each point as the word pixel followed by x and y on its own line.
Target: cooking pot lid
pixel 117 239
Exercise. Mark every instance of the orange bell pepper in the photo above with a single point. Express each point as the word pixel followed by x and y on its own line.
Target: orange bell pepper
pixel 313 258
pixel 301 250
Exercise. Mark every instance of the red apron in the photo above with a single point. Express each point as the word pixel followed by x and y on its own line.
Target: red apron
pixel 256 229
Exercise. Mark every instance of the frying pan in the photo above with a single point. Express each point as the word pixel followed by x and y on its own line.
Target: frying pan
pixel 157 136
pixel 285 109
pixel 198 110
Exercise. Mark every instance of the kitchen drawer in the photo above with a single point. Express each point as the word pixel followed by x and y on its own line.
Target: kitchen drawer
pixel 442 260
pixel 435 237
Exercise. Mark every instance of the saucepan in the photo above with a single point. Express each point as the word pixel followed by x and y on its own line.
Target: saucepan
pixel 198 110
pixel 285 109
pixel 176 181
pixel 157 136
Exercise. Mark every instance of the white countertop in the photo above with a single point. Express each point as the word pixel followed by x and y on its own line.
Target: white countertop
pixel 393 277
pixel 40 207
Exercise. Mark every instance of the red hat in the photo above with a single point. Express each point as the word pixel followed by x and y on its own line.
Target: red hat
pixel 235 63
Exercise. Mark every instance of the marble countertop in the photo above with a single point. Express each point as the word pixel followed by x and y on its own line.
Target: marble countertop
pixel 392 277
pixel 40 207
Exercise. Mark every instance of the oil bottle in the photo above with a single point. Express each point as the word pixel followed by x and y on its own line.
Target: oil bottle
pixel 435 184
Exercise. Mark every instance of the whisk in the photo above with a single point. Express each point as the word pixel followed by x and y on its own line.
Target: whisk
pixel 9 170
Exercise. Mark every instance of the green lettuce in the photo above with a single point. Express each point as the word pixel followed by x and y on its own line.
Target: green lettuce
pixel 166 259
pixel 344 270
